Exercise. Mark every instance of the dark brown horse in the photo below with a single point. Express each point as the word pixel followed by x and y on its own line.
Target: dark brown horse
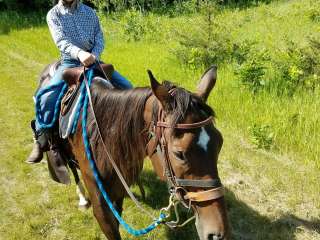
pixel 128 123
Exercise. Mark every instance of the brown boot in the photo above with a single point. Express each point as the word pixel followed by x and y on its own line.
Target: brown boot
pixel 36 154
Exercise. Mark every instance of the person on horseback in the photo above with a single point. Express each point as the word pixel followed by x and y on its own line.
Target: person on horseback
pixel 76 31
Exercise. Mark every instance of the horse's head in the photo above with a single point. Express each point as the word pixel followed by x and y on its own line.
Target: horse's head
pixel 190 145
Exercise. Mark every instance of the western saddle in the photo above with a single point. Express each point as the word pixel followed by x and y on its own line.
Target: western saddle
pixel 73 78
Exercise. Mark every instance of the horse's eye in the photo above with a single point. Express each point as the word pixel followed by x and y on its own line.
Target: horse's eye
pixel 179 155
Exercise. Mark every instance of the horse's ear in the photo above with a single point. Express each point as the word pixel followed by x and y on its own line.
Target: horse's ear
pixel 159 90
pixel 207 82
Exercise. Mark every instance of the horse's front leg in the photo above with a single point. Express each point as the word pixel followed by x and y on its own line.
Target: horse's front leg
pixel 84 202
pixel 108 223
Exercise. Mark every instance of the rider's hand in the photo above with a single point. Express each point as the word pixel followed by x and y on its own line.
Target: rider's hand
pixel 86 58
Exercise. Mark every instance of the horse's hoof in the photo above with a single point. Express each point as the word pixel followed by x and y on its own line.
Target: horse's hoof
pixel 84 205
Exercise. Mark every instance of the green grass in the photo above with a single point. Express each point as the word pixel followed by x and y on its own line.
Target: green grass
pixel 270 194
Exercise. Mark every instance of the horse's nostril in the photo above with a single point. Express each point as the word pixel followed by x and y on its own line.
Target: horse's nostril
pixel 212 236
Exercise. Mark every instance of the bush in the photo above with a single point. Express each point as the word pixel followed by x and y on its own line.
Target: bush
pixel 241 51
pixel 262 136
pixel 142 5
pixel 242 3
pixel 294 68
pixel 315 15
pixel 251 75
pixel 26 5
pixel 298 68
pixel 11 20
pixel 314 11
pixel 206 44
pixel 250 66
pixel 135 26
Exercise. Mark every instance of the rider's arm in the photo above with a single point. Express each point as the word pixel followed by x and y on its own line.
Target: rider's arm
pixel 59 37
pixel 98 39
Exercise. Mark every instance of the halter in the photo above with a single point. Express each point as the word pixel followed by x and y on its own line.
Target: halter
pixel 178 186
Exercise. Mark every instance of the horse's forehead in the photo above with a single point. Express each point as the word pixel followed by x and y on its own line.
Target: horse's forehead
pixel 197 138
pixel 203 139
pixel 183 142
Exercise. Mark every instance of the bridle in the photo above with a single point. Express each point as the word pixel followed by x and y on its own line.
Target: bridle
pixel 177 186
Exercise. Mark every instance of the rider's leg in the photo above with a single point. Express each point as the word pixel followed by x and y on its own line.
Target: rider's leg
pixel 47 105
pixel 120 81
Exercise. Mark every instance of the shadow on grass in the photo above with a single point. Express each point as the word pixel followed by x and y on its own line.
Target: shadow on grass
pixel 246 223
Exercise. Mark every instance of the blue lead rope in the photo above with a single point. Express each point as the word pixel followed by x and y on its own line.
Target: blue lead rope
pixel 84 102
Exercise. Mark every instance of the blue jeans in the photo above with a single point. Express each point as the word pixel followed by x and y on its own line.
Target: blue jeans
pixel 49 99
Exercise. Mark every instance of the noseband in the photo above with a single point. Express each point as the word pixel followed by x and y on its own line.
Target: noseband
pixel 178 186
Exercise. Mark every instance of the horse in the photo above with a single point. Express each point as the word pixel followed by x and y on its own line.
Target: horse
pixel 170 125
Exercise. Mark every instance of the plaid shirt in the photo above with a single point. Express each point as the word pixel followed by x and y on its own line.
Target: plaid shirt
pixel 75 29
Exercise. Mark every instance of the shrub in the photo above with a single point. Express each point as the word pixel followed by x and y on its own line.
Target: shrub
pixel 11 20
pixel 26 4
pixel 314 11
pixel 142 5
pixel 298 67
pixel 135 26
pixel 315 15
pixel 183 7
pixel 250 68
pixel 242 3
pixel 206 43
pixel 241 51
pixel 294 68
pixel 262 136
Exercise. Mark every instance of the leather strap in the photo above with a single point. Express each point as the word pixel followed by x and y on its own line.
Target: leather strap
pixel 213 183
pixel 203 196
pixel 185 125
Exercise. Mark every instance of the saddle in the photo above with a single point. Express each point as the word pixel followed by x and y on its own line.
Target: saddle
pixel 73 78
pixel 69 104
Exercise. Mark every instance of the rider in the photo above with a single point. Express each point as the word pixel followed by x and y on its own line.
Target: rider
pixel 75 29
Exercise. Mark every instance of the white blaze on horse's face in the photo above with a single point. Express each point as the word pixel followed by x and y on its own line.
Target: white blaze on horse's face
pixel 204 139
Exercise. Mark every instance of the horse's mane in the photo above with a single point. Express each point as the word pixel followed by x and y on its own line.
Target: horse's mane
pixel 120 115
pixel 183 102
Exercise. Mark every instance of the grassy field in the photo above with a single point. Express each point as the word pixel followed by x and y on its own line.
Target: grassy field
pixel 271 194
